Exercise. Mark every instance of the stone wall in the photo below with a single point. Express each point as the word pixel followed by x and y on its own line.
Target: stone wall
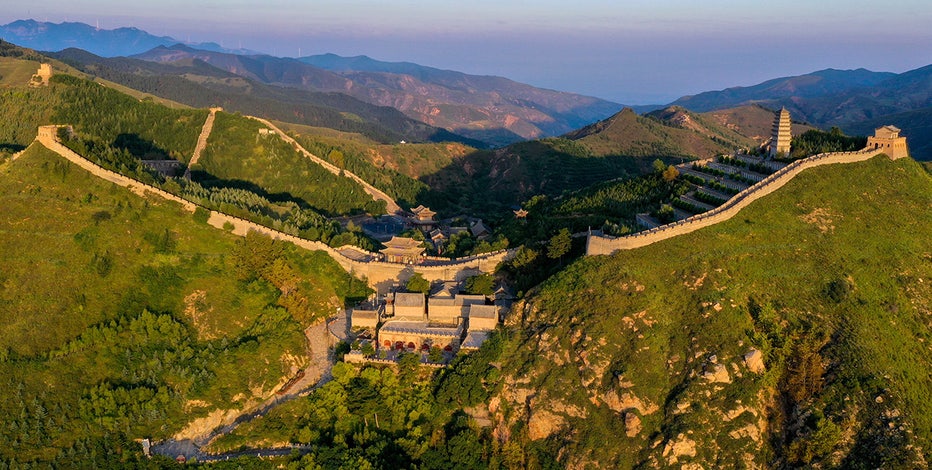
pixel 381 275
pixel 601 245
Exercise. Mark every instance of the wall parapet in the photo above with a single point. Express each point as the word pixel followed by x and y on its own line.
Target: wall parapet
pixel 604 245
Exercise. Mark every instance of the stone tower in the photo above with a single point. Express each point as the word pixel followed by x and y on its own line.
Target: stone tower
pixel 781 136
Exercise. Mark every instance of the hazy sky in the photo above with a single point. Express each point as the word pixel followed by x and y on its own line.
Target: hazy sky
pixel 633 52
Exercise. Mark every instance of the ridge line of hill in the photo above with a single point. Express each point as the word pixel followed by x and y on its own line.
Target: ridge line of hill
pixel 602 245
pixel 376 272
pixel 391 206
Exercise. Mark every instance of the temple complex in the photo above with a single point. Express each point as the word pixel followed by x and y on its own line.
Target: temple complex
pixel 782 134
pixel 447 320
pixel 888 139
pixel 403 250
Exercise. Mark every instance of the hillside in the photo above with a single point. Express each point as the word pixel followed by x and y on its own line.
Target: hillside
pixel 197 84
pixel 470 105
pixel 126 317
pixel 671 132
pixel 753 121
pixel 857 101
pixel 617 363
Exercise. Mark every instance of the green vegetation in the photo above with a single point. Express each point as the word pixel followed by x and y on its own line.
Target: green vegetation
pixel 146 130
pixel 814 141
pixel 814 276
pixel 378 417
pixel 124 317
pixel 417 283
pixel 238 156
pixel 350 155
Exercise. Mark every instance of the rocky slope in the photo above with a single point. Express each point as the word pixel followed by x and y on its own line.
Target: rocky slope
pixel 794 335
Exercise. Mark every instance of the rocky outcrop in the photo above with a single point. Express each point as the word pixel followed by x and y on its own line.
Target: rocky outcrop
pixel 754 359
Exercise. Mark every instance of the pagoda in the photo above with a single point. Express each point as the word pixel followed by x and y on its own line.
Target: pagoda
pixel 782 134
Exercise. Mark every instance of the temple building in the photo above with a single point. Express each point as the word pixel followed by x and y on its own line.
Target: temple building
pixel 423 218
pixel 403 250
pixel 888 139
pixel 782 134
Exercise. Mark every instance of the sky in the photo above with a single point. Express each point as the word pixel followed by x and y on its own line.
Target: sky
pixel 630 52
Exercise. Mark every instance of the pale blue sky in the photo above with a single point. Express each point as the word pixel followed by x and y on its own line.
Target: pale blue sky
pixel 634 52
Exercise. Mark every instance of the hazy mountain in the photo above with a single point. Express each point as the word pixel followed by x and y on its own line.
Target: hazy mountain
pixel 823 82
pixel 45 36
pixel 492 109
pixel 496 97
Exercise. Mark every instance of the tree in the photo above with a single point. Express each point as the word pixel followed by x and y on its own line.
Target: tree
pixel 524 257
pixel 670 173
pixel 417 283
pixel 483 284
pixel 559 245
pixel 435 354
pixel 659 166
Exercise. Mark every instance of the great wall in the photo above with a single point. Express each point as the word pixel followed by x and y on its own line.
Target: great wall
pixel 379 274
pixel 602 245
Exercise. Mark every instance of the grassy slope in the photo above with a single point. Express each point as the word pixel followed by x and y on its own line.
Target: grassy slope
pixel 236 152
pixel 770 271
pixel 83 259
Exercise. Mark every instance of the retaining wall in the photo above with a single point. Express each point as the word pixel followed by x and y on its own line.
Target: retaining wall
pixel 381 275
pixel 601 245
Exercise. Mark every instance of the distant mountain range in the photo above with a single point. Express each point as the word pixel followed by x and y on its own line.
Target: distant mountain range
pixel 490 109
pixel 196 83
pixel 45 36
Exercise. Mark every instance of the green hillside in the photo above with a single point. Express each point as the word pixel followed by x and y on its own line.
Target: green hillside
pixel 829 278
pixel 238 156
pixel 124 317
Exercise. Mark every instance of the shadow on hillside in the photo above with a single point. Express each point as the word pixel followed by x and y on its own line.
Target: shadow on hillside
pixel 210 181
pixel 490 184
pixel 140 148
pixel 10 147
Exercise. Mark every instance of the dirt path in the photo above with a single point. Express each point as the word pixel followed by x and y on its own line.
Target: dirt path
pixel 316 374
pixel 390 205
